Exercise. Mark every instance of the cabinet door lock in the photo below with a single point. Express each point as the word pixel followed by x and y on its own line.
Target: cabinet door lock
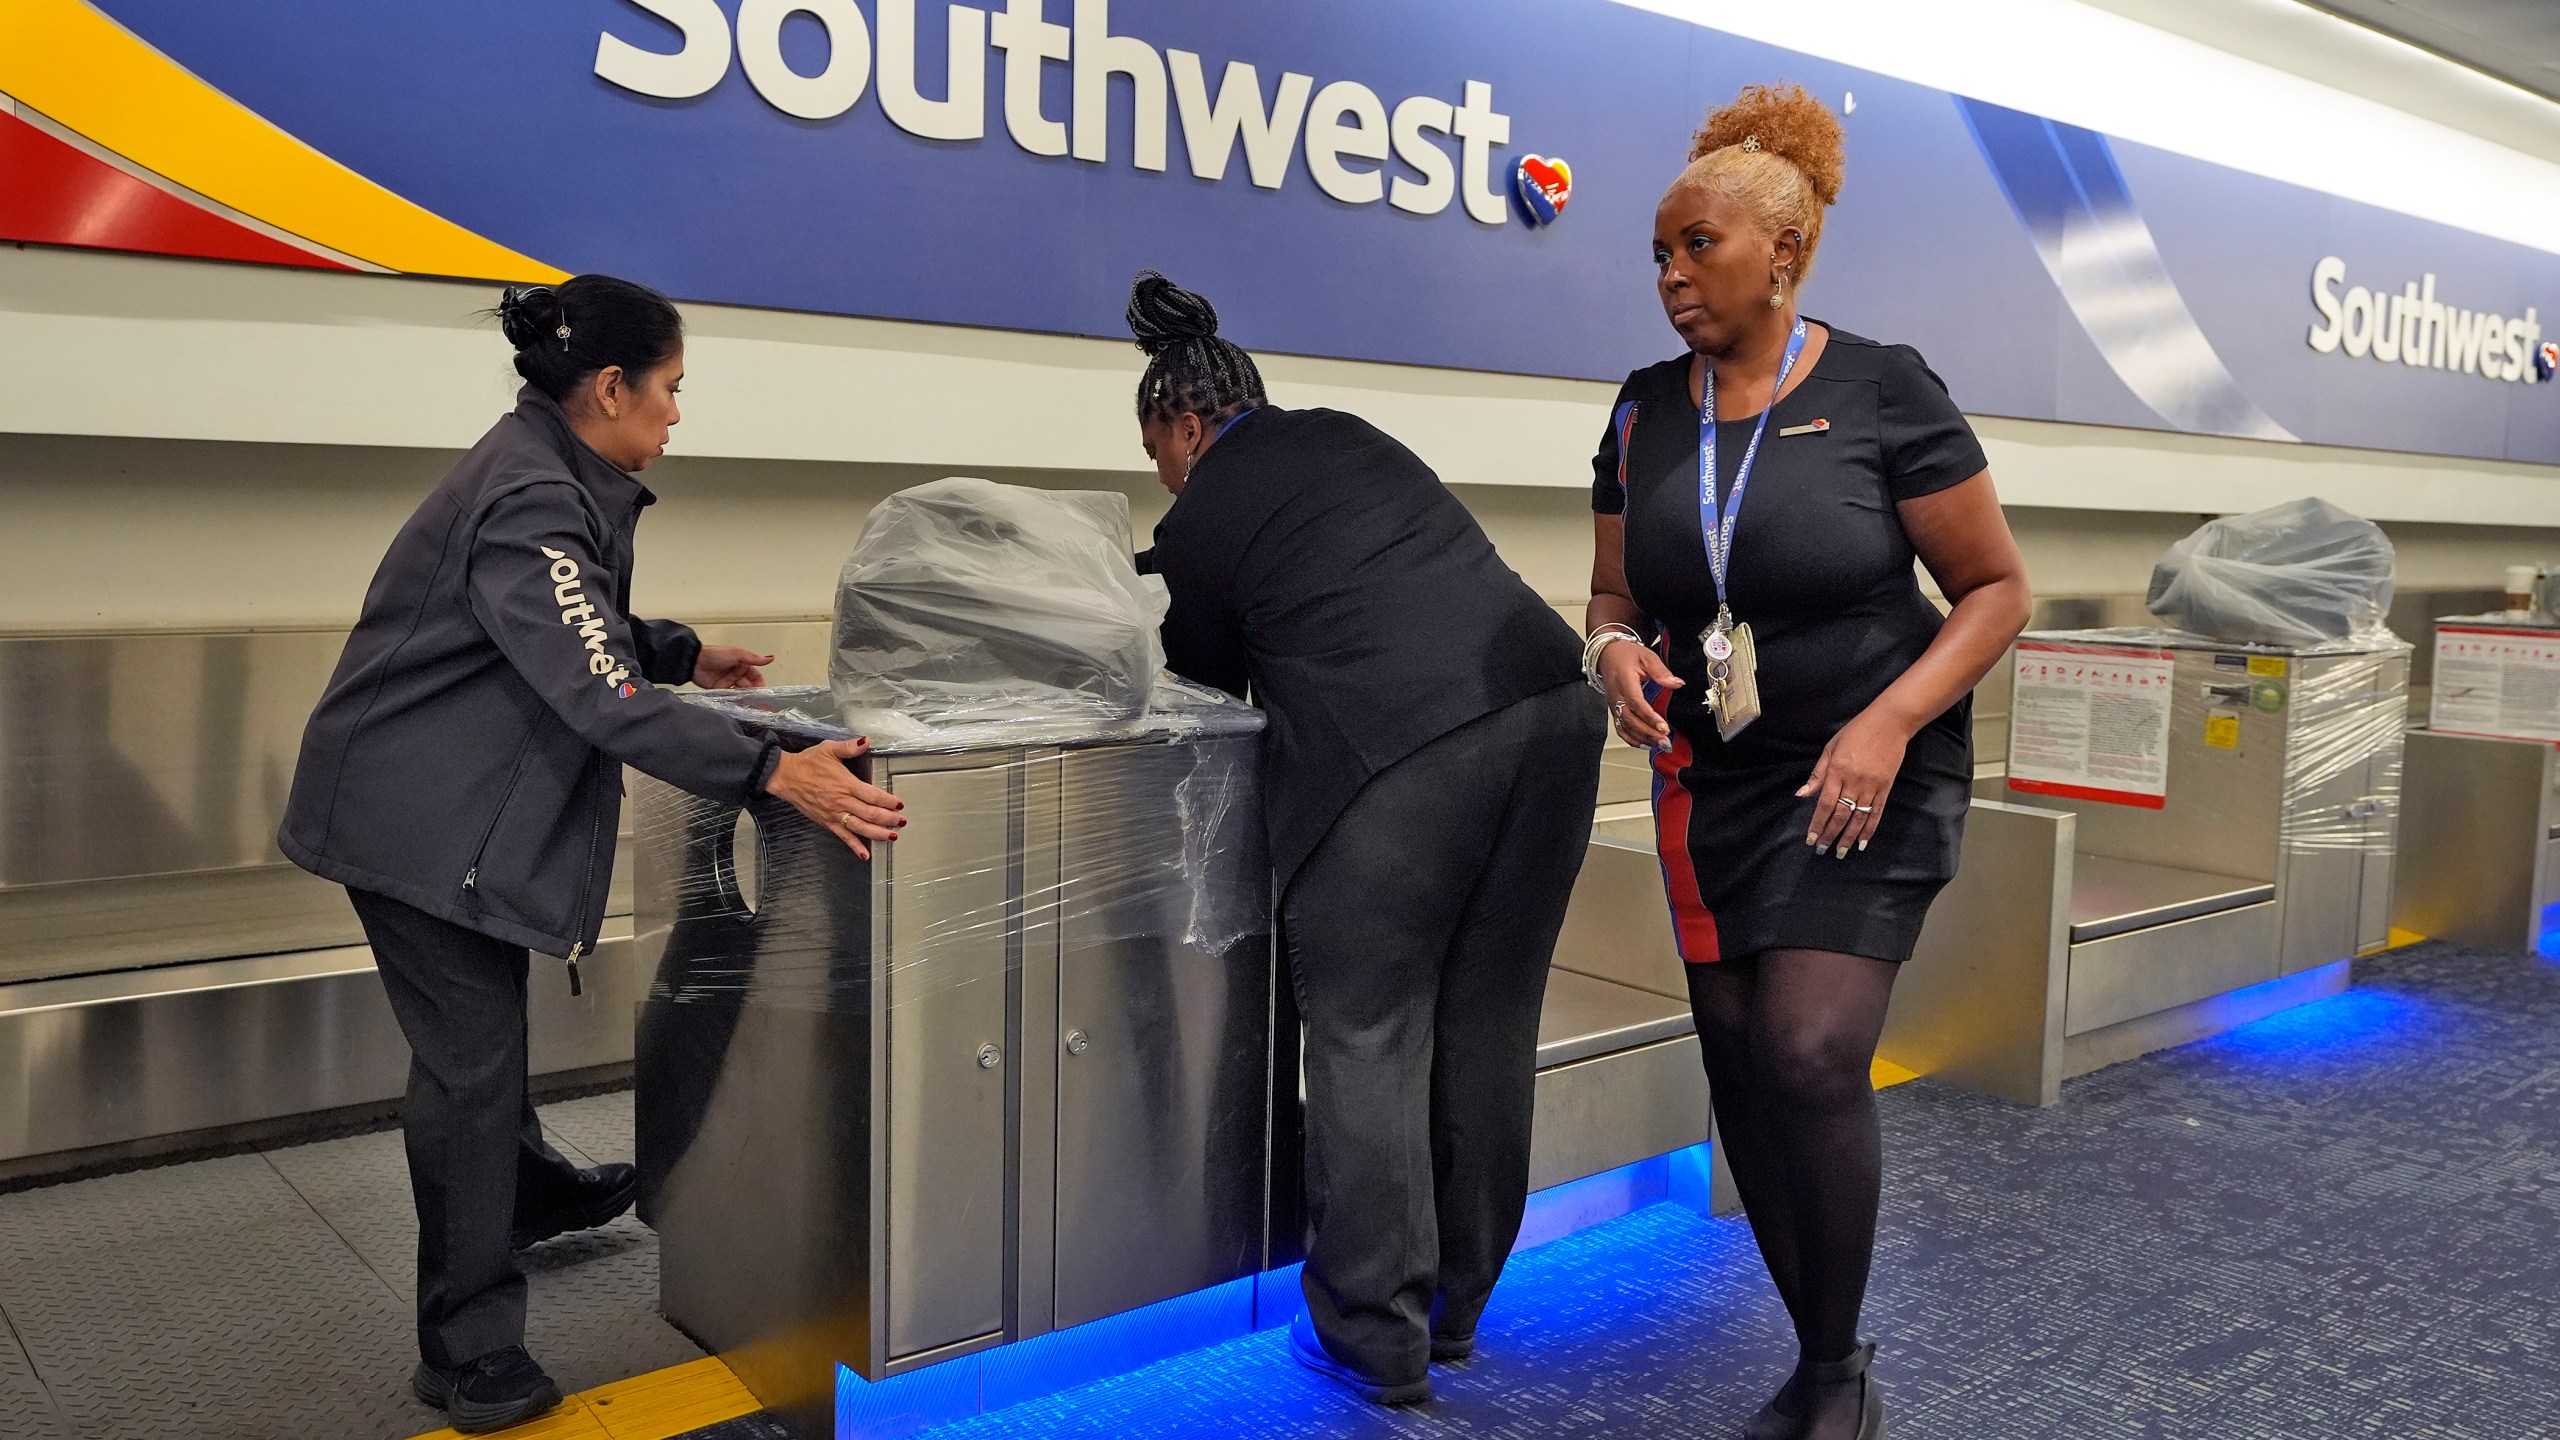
pixel 989 1056
pixel 1078 1042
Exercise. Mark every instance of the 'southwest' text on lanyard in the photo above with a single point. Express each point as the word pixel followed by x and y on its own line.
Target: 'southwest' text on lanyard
pixel 1718 520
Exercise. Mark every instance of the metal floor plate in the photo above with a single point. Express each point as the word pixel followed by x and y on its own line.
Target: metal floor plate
pixel 269 1294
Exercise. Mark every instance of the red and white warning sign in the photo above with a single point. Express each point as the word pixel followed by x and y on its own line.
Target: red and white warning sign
pixel 2091 723
pixel 2496 680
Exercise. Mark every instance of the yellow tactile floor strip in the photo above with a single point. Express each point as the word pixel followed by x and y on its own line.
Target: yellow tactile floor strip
pixel 1886 1074
pixel 657 1406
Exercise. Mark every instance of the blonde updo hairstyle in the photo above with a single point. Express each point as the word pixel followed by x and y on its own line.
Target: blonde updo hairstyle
pixel 1778 152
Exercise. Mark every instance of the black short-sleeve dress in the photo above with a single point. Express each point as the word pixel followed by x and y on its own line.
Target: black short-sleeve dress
pixel 1822 571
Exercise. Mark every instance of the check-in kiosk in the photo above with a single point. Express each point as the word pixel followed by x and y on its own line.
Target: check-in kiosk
pixel 2190 834
pixel 2481 816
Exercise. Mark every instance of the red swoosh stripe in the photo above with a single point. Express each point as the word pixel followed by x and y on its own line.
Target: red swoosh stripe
pixel 1693 925
pixel 54 194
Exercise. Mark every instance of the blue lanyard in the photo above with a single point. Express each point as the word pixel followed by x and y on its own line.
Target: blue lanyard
pixel 1718 521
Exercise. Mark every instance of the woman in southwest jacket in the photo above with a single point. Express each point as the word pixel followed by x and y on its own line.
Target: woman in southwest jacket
pixel 462 777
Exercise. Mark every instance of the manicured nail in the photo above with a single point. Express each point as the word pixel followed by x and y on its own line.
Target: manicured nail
pixel 1862 844
pixel 1840 854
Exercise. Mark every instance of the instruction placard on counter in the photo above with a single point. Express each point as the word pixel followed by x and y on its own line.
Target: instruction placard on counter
pixel 2498 681
pixel 2091 723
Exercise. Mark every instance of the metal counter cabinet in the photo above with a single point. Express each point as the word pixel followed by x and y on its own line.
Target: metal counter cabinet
pixel 975 1089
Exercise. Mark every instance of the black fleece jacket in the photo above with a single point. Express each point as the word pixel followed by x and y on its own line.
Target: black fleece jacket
pixel 1321 567
pixel 466 758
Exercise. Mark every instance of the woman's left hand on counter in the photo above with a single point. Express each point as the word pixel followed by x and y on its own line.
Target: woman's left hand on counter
pixel 820 782
pixel 730 667
pixel 1858 766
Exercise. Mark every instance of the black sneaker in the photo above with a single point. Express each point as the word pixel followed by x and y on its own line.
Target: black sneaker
pixel 499 1389
pixel 602 1195
pixel 1452 1349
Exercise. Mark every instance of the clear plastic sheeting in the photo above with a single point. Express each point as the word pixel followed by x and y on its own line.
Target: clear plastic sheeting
pixel 2344 706
pixel 1176 709
pixel 1144 844
pixel 2304 573
pixel 967 601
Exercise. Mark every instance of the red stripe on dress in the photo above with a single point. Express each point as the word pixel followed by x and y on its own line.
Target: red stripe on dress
pixel 1693 925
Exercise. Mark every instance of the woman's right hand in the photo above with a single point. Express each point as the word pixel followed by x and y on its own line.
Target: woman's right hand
pixel 1625 669
pixel 820 783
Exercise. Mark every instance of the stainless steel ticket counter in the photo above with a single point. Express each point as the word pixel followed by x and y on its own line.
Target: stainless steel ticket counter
pixel 1032 1066
pixel 1016 1072
pixel 2480 859
pixel 2190 835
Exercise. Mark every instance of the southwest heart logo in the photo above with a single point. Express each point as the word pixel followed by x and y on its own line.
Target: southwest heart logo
pixel 2546 361
pixel 1544 186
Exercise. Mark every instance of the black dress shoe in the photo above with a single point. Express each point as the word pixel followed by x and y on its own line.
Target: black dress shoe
pixel 491 1392
pixel 602 1195
pixel 1783 1416
pixel 1308 1349
pixel 1854 1371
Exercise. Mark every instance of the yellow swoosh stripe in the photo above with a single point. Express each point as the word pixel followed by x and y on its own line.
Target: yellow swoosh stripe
pixel 80 69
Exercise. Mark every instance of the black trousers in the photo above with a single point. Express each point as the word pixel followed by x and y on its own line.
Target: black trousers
pixel 477 1159
pixel 1419 935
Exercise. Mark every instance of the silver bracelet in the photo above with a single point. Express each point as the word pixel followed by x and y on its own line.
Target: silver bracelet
pixel 1592 648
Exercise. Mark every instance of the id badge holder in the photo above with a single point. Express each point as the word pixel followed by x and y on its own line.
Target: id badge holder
pixel 1733 685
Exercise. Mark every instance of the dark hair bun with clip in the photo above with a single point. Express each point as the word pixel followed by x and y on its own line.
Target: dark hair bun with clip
pixel 1163 314
pixel 529 316
pixel 566 332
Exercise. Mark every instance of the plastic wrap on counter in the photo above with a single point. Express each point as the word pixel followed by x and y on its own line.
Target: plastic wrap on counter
pixel 2348 719
pixel 2301 573
pixel 1141 838
pixel 968 602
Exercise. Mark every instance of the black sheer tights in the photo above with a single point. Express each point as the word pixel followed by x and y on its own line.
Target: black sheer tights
pixel 1788 1036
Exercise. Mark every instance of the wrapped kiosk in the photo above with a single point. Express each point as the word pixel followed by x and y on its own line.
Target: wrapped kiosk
pixel 1017 1070
pixel 2193 831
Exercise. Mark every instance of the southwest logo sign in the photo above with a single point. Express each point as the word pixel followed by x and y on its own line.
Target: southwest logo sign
pixel 1347 131
pixel 2411 327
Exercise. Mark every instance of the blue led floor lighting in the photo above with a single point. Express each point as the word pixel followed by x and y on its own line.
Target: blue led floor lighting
pixel 2325 1026
pixel 993 1380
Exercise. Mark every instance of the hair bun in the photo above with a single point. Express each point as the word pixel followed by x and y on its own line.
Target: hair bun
pixel 1787 123
pixel 530 316
pixel 1163 314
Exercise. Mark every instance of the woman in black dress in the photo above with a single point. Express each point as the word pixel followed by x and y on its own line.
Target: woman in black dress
pixel 1804 829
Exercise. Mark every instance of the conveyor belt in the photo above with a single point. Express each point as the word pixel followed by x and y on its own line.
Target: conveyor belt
pixel 2111 896
pixel 1585 1016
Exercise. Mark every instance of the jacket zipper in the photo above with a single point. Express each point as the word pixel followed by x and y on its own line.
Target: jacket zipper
pixel 586 888
pixel 471 876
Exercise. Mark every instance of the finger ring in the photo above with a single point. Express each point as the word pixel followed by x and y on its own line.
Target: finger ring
pixel 1618 707
pixel 1865 809
pixel 1845 800
pixel 845 819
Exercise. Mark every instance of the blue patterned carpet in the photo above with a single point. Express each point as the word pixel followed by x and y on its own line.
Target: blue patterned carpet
pixel 2341 1221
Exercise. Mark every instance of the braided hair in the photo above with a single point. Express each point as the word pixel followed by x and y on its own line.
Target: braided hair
pixel 1190 371
pixel 564 333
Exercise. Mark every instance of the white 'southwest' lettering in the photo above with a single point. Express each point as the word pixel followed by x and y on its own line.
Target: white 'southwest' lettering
pixel 581 612
pixel 1352 135
pixel 2414 328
